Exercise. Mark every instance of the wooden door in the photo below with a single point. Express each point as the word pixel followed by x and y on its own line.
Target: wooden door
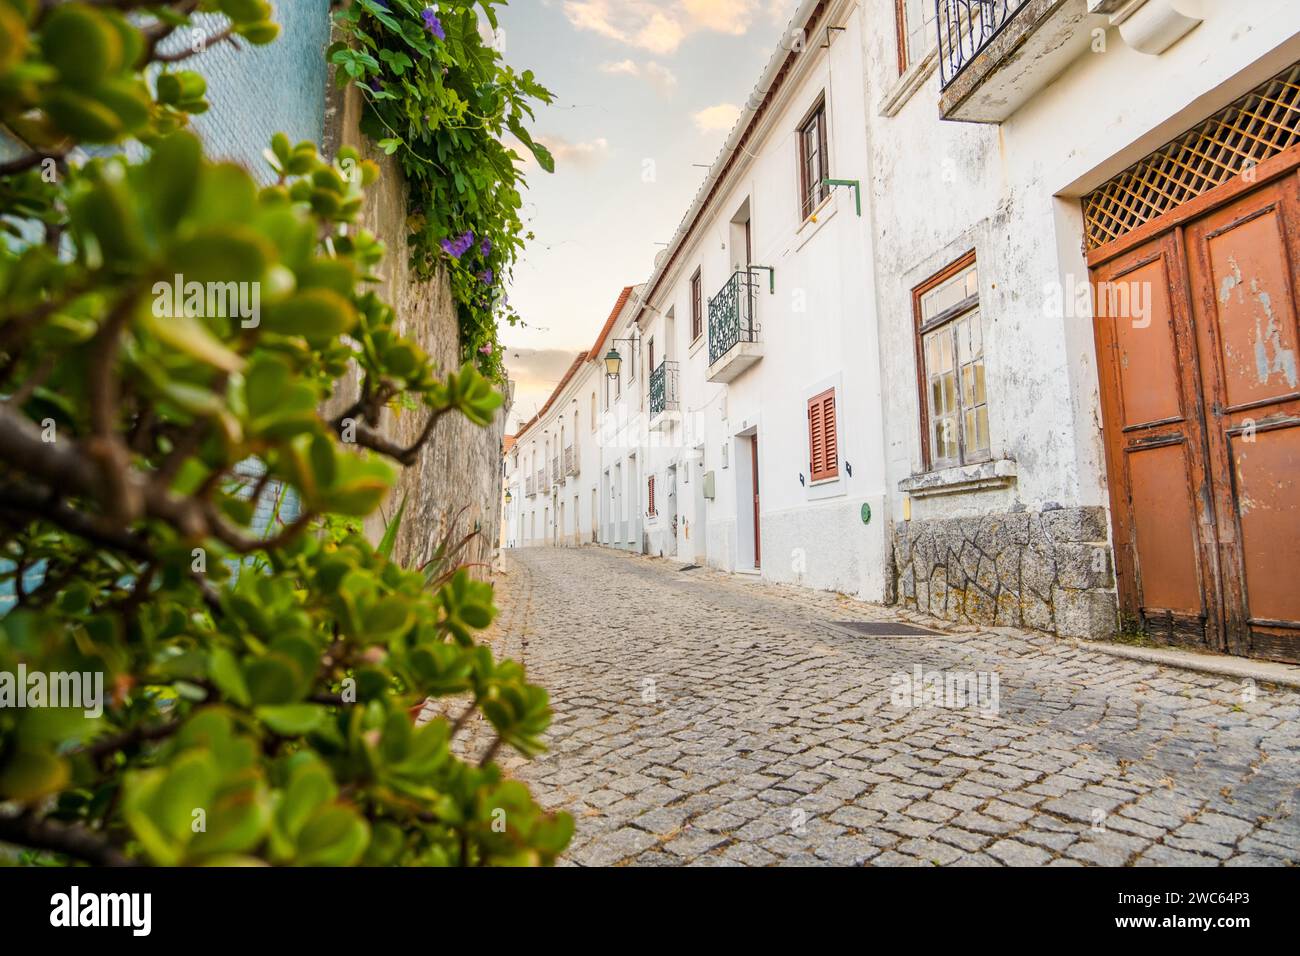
pixel 1198 343
pixel 758 538
pixel 1155 446
pixel 1242 267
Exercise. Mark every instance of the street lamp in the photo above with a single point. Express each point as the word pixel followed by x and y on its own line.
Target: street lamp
pixel 509 496
pixel 614 361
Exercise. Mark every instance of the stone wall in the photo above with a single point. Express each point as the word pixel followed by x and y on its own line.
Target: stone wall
pixel 455 487
pixel 1046 571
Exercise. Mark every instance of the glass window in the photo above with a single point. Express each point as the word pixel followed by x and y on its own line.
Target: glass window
pixel 952 348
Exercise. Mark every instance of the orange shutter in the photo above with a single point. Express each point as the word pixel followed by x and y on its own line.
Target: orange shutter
pixel 823 439
pixel 652 495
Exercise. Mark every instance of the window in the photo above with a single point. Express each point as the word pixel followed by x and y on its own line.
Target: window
pixel 593 411
pixel 697 306
pixel 813 165
pixel 650 350
pixel 916 31
pixel 950 363
pixel 650 493
pixel 823 439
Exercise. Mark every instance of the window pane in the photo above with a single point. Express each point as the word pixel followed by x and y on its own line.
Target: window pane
pixel 921 35
pixel 968 386
pixel 949 293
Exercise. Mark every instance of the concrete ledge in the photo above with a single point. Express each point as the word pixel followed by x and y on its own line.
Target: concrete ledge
pixel 947 481
pixel 1241 668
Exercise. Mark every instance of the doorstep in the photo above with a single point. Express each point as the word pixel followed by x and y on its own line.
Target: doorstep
pixel 1224 665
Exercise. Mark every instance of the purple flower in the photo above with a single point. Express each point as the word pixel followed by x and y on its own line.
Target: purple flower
pixel 485 277
pixel 486 350
pixel 458 247
pixel 375 85
pixel 486 248
pixel 432 23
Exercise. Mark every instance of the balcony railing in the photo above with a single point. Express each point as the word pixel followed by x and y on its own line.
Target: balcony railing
pixel 966 27
pixel 556 475
pixel 541 480
pixel 663 389
pixel 530 485
pixel 570 462
pixel 731 315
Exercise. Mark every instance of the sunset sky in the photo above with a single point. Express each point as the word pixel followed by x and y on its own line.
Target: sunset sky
pixel 639 85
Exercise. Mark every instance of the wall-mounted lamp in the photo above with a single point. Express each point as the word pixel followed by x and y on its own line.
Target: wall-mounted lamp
pixel 509 496
pixel 614 361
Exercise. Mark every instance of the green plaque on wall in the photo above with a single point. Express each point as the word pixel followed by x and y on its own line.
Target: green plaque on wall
pixel 866 513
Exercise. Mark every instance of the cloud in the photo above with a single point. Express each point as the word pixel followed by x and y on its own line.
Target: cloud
pixel 716 118
pixel 662 34
pixel 660 26
pixel 722 16
pixel 662 78
pixel 622 66
pixel 535 373
pixel 585 154
pixel 656 74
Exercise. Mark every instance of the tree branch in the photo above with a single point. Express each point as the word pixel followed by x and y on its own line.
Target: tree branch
pixel 69 839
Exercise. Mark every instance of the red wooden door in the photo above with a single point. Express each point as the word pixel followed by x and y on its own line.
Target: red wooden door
pixel 1198 344
pixel 1242 266
pixel 758 538
pixel 1155 446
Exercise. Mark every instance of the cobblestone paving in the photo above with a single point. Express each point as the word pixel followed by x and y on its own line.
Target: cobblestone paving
pixel 704 719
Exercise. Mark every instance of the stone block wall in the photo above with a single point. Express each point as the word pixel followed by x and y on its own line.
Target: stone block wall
pixel 1045 571
pixel 455 487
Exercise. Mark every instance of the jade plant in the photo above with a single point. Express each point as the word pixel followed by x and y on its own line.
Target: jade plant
pixel 179 682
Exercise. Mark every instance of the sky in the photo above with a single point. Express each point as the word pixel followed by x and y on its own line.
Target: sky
pixel 644 91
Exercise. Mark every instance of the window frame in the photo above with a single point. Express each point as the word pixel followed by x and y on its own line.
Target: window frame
pixel 922 328
pixel 810 200
pixel 697 305
pixel 819 401
pixel 650 495
pixel 905 61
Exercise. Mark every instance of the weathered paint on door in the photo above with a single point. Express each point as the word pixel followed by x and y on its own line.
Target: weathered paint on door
pixel 1197 341
pixel 1242 261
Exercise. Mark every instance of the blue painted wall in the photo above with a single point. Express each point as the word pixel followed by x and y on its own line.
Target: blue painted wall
pixel 256 92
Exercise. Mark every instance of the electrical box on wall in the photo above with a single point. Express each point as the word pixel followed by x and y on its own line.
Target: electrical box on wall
pixel 708 485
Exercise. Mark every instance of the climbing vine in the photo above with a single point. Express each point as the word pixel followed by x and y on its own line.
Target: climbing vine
pixel 441 100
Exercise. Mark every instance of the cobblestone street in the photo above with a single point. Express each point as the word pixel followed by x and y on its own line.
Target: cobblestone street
pixel 708 719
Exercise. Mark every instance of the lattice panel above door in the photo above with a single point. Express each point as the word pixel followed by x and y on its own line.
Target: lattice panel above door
pixel 1259 125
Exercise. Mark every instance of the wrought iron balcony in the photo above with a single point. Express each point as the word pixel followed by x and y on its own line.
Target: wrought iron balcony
pixel 556 475
pixel 966 27
pixel 733 328
pixel 663 389
pixel 995 55
pixel 530 485
pixel 571 462
pixel 541 480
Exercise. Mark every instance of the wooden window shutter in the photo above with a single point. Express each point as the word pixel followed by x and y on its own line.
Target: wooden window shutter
pixel 823 439
pixel 652 495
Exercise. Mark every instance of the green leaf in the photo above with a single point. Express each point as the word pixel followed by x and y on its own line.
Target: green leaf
pixel 292 720
pixel 389 540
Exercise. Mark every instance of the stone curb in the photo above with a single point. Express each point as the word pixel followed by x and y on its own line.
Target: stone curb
pixel 1269 672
